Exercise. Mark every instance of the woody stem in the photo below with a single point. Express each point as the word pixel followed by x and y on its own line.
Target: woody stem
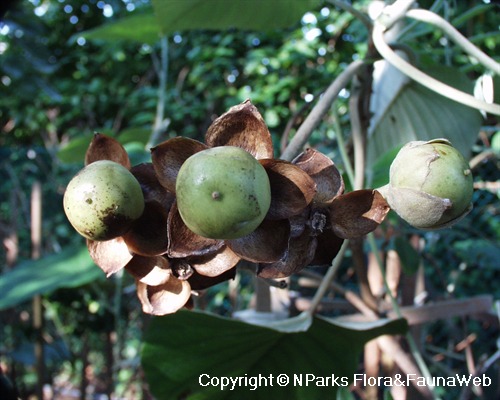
pixel 320 109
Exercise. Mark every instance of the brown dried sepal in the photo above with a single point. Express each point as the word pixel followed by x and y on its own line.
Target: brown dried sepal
pixel 152 271
pixel 163 299
pixel 185 243
pixel 329 182
pixel 244 127
pixel 215 264
pixel 300 253
pixel 169 156
pixel 103 147
pixel 268 243
pixel 328 246
pixel 151 187
pixel 148 235
pixel 202 282
pixel 110 255
pixel 292 189
pixel 357 213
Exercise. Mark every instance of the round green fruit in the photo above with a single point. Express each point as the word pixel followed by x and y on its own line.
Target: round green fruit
pixel 222 193
pixel 103 200
pixel 434 168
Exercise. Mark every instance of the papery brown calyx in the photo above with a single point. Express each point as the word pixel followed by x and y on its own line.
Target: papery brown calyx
pixel 300 253
pixel 357 213
pixel 169 156
pixel 148 235
pixel 185 243
pixel 268 243
pixel 111 255
pixel 241 126
pixel 152 271
pixel 215 264
pixel 103 147
pixel 324 173
pixel 291 189
pixel 163 299
pixel 151 187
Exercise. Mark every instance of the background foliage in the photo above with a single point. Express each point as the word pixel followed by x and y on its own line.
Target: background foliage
pixel 70 68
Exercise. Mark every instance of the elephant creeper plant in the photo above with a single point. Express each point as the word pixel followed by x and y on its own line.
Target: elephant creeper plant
pixel 204 207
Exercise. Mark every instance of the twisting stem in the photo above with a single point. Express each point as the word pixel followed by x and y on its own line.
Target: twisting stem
pixel 431 83
pixel 319 110
pixel 409 27
pixel 393 12
pixel 456 36
pixel 327 279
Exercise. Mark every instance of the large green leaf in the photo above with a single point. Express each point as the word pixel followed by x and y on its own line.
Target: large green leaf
pixel 417 113
pixel 180 348
pixel 74 150
pixel 174 16
pixel 71 267
pixel 141 28
pixel 262 15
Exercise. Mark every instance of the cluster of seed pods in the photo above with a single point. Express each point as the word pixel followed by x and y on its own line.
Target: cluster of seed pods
pixel 308 218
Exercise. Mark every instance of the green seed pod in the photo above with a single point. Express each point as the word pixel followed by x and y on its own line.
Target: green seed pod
pixel 430 184
pixel 103 200
pixel 222 193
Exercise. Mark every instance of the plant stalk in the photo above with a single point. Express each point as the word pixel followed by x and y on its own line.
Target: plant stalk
pixel 38 320
pixel 327 279
pixel 342 149
pixel 320 109
pixel 160 122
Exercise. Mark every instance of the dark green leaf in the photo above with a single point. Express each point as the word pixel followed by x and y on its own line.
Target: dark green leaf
pixel 74 150
pixel 137 153
pixel 141 28
pixel 140 135
pixel 181 347
pixel 71 267
pixel 262 15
